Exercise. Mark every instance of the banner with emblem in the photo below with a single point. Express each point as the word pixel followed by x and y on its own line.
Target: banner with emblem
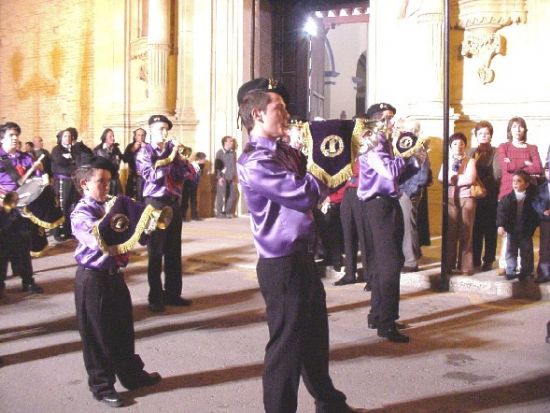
pixel 330 147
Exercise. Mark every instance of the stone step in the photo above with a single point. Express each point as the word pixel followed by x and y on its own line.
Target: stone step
pixel 486 283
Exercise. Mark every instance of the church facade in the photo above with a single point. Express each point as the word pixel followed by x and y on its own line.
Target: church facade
pixel 113 63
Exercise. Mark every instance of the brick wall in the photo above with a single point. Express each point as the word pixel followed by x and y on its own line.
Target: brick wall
pixel 46 78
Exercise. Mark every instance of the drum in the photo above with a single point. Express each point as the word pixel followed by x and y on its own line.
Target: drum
pixel 30 191
pixel 38 203
pixel 127 222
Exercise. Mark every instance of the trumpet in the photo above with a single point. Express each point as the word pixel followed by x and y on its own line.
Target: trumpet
pixel 178 148
pixel 369 137
pixel 9 201
pixel 184 151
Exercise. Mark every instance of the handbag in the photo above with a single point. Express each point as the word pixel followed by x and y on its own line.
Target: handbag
pixel 478 190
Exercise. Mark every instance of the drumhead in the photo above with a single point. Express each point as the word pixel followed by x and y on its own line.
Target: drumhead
pixel 30 191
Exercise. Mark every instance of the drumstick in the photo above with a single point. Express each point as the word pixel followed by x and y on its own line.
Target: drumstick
pixel 22 180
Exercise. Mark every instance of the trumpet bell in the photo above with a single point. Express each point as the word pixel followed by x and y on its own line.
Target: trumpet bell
pixel 165 217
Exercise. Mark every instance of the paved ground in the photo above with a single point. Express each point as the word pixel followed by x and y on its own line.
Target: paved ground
pixel 469 352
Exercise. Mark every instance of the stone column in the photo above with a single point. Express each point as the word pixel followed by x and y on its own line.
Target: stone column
pixel 158 50
pixel 186 118
pixel 429 17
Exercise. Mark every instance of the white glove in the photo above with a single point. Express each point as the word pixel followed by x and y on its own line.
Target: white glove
pixel 67 156
pixel 369 140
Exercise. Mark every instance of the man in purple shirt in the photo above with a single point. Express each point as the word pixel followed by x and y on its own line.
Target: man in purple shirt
pixel 280 199
pixel 382 219
pixel 103 303
pixel 164 172
pixel 15 230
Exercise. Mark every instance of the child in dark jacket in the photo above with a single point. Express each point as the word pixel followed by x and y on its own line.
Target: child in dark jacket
pixel 542 206
pixel 517 218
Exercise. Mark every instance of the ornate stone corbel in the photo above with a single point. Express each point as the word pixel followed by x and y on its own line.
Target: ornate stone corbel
pixel 481 19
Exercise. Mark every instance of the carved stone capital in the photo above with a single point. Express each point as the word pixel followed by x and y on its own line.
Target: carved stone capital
pixel 481 19
pixel 483 46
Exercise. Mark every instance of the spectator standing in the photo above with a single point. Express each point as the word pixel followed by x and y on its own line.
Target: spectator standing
pixel 542 206
pixel 488 172
pixel 109 150
pixel 515 155
pixel 81 152
pixel 39 151
pixel 191 185
pixel 352 231
pixel 63 166
pixel 134 183
pixel 461 207
pixel 225 166
pixel 517 218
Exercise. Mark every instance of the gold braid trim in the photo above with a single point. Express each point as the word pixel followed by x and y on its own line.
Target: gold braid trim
pixel 126 246
pixel 421 143
pixel 44 224
pixel 345 173
pixel 168 160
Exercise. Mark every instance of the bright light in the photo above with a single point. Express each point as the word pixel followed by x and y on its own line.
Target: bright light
pixel 310 27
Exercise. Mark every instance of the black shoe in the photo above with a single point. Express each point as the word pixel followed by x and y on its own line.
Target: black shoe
pixel 409 269
pixel 32 288
pixel 393 334
pixel 542 279
pixel 511 276
pixel 399 326
pixel 523 277
pixel 487 266
pixel 156 307
pixel 144 379
pixel 197 219
pixel 344 281
pixel 367 287
pixel 111 399
pixel 177 301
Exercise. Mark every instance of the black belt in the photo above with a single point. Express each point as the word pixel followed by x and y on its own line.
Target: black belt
pixel 378 196
pixel 110 271
pixel 166 200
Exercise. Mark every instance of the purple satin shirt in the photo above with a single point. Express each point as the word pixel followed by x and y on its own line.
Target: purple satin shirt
pixel 20 159
pixel 378 172
pixel 162 181
pixel 85 215
pixel 279 200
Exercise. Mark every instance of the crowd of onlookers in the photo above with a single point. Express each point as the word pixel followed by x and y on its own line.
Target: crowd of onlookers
pixel 500 191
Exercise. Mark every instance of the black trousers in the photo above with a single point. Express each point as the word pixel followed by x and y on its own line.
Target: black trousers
pixel 134 186
pixel 543 268
pixel 19 255
pixel 165 244
pixel 352 227
pixel 189 198
pixel 106 326
pixel 485 231
pixel 298 335
pixel 67 195
pixel 383 226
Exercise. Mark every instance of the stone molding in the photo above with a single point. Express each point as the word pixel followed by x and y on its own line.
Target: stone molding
pixel 481 19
